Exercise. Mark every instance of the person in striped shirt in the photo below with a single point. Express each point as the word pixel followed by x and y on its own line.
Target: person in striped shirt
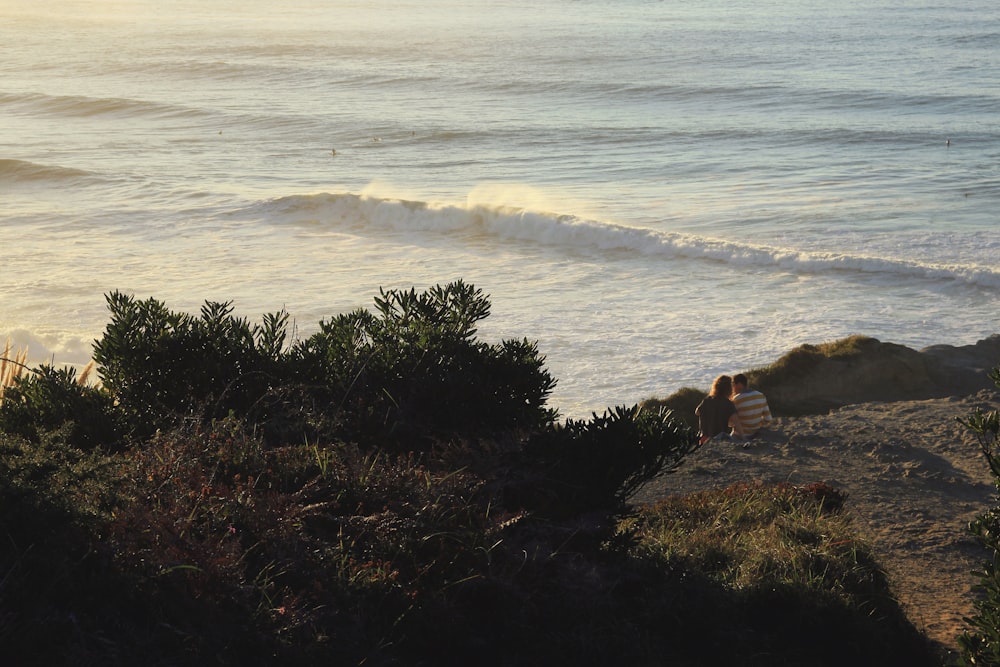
pixel 751 406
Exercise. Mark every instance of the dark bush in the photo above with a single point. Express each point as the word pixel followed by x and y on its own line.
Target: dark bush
pixel 411 372
pixel 313 552
pixel 54 500
pixel 414 370
pixel 163 367
pixel 48 397
pixel 598 464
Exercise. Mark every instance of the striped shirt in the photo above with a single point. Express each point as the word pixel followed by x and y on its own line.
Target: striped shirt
pixel 753 410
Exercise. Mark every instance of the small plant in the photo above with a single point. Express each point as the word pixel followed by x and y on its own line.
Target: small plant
pixel 981 644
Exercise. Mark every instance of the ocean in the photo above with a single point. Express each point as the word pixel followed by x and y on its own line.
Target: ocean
pixel 657 191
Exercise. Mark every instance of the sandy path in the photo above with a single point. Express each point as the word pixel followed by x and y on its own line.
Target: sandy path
pixel 914 478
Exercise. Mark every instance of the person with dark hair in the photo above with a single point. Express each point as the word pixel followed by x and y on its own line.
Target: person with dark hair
pixel 751 406
pixel 716 413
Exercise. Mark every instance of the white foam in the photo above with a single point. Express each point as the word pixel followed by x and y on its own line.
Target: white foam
pixel 510 223
pixel 49 348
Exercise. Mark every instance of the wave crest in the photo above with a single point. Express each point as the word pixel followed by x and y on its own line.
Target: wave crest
pixel 362 213
pixel 29 172
pixel 82 106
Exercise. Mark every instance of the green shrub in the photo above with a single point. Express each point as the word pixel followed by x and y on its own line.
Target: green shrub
pixel 413 369
pixel 47 398
pixel 163 367
pixel 597 464
pixel 410 372
pixel 981 644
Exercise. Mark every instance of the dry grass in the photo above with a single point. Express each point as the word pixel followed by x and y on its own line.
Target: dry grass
pixel 86 376
pixel 13 364
pixel 747 534
pixel 11 367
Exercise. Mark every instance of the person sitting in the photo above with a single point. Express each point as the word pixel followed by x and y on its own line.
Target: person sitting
pixel 751 406
pixel 716 413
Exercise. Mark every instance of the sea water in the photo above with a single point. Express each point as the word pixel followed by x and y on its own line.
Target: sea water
pixel 657 191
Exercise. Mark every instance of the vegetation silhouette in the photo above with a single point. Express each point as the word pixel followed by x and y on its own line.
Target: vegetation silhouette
pixel 387 491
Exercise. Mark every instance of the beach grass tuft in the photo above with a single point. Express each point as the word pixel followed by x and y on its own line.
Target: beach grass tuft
pixel 12 365
pixel 782 573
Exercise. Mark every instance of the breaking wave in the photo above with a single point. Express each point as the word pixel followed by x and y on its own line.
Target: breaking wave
pixel 362 213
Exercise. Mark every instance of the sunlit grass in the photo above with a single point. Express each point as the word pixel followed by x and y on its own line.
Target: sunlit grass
pixel 12 365
pixel 761 535
pixel 801 360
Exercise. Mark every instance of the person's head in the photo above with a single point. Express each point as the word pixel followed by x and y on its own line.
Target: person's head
pixel 739 383
pixel 722 387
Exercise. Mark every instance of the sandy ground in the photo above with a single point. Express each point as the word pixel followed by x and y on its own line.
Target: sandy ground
pixel 914 476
